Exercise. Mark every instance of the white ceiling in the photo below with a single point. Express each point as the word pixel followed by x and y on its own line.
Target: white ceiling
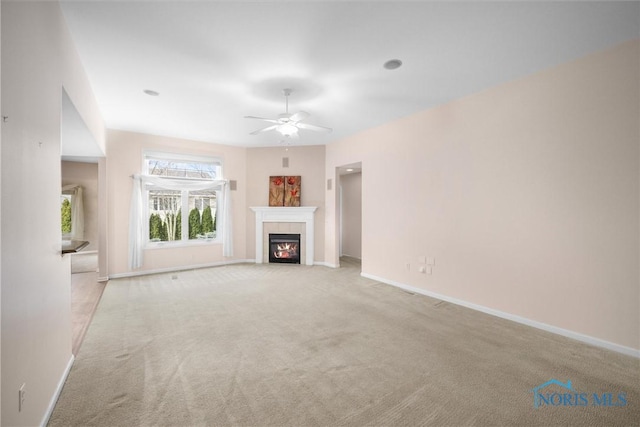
pixel 77 142
pixel 215 62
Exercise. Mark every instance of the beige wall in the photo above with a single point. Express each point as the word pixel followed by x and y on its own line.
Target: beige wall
pixel 526 195
pixel 38 60
pixel 124 158
pixel 103 221
pixel 306 161
pixel 351 185
pixel 0 218
pixel 85 175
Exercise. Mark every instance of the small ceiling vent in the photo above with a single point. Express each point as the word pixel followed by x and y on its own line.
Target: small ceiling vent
pixel 392 64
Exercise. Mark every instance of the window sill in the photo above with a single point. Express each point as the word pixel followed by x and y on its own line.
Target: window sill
pixel 181 244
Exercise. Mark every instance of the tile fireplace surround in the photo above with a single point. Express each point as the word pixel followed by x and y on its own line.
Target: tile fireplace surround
pixel 283 215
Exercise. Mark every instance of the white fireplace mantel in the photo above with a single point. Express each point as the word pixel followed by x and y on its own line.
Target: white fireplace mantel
pixel 304 214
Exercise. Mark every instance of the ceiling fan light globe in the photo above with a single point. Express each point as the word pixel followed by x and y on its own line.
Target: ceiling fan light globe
pixel 287 129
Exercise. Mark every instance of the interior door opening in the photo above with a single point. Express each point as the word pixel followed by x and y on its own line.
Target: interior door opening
pixel 350 213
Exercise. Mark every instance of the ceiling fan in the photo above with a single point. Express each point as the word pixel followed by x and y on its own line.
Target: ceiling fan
pixel 288 124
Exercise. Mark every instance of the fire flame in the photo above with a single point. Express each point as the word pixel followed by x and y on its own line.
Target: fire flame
pixel 286 250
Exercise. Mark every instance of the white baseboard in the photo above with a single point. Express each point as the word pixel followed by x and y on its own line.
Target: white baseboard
pixel 174 269
pixel 325 264
pixel 56 395
pixel 523 320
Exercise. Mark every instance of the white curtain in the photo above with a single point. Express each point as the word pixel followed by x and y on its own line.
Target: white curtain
pixel 77 210
pixel 136 213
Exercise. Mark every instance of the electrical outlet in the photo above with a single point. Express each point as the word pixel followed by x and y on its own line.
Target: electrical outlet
pixel 408 266
pixel 22 393
pixel 431 261
pixel 425 269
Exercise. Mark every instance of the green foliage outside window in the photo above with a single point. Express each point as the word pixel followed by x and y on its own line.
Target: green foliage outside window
pixel 155 227
pixel 195 224
pixel 207 220
pixel 66 216
pixel 165 230
pixel 178 232
pixel 164 235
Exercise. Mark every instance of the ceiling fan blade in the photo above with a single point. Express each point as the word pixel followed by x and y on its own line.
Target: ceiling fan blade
pixel 262 118
pixel 268 128
pixel 313 127
pixel 300 115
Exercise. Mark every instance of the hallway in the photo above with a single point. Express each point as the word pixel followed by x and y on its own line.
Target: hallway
pixel 86 292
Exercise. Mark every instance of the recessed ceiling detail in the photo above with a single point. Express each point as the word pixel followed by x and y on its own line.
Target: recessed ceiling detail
pixel 392 64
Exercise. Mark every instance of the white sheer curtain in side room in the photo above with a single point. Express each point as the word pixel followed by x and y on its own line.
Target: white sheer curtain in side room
pixel 136 213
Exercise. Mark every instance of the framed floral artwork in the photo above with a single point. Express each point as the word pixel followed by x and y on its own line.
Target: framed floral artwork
pixel 276 191
pixel 284 190
pixel 292 190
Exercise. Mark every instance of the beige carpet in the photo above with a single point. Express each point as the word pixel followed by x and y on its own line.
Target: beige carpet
pixel 264 345
pixel 85 295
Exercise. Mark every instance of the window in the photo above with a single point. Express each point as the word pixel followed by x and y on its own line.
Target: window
pixel 72 212
pixel 182 214
pixel 182 167
pixel 65 213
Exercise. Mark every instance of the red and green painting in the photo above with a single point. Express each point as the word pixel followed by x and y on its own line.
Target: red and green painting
pixel 284 190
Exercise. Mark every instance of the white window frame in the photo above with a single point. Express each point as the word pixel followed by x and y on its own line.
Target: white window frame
pixel 184 240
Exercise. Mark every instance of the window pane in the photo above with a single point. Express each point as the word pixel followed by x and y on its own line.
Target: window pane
pixel 202 214
pixel 164 215
pixel 182 169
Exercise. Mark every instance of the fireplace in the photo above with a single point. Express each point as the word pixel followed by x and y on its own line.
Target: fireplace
pixel 284 248
pixel 281 219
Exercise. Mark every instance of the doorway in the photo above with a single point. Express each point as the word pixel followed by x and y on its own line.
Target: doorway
pixel 82 165
pixel 85 288
pixel 350 214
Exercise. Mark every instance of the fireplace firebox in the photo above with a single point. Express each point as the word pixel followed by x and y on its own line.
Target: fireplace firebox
pixel 284 248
